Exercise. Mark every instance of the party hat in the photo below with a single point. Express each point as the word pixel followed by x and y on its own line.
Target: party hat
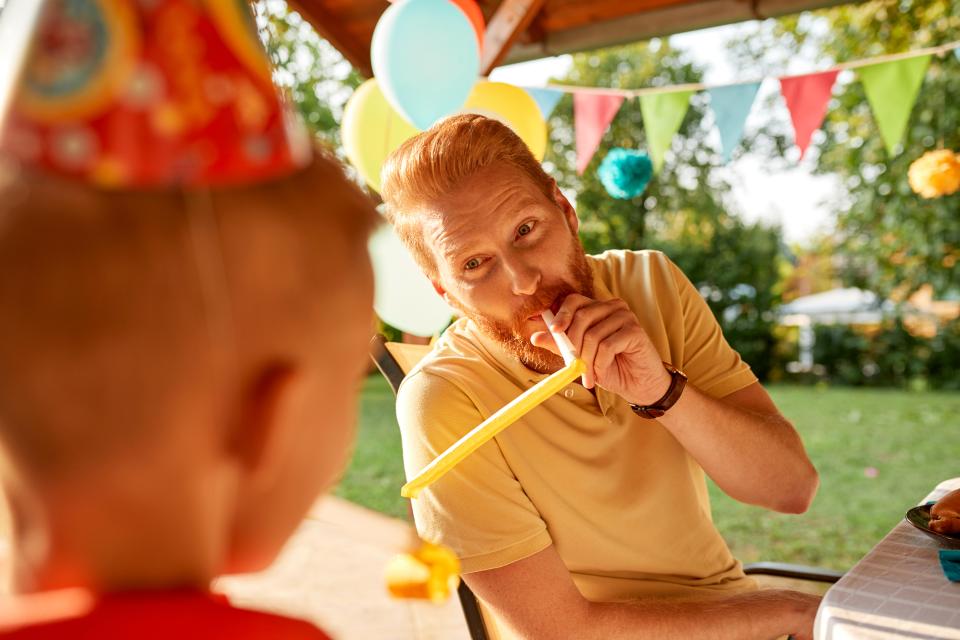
pixel 145 93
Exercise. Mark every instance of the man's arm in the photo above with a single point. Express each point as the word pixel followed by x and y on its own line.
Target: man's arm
pixel 538 599
pixel 746 446
pixel 742 441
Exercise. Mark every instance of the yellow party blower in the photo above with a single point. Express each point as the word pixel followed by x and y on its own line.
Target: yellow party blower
pixel 503 418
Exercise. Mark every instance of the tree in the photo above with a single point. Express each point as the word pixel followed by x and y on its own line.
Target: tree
pixel 316 75
pixel 891 238
pixel 686 211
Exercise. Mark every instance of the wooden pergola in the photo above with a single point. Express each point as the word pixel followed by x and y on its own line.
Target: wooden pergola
pixel 519 30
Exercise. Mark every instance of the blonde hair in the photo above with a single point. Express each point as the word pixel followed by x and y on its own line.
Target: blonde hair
pixel 103 330
pixel 427 167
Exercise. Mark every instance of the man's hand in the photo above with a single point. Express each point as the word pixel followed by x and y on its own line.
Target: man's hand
pixel 617 351
pixel 742 441
pixel 804 612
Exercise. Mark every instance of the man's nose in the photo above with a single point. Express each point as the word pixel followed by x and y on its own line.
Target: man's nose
pixel 524 277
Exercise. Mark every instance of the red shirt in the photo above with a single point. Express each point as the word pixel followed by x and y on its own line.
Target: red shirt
pixel 176 615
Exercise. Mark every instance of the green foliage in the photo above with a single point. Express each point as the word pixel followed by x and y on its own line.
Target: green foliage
pixel 316 76
pixel 686 211
pixel 890 357
pixel 375 474
pixel 890 237
pixel 879 452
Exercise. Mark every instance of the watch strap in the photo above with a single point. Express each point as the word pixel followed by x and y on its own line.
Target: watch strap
pixel 678 380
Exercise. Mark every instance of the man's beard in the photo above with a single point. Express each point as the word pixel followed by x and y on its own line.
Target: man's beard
pixel 511 335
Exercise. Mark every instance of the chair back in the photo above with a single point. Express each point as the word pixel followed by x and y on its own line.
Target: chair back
pixel 395 360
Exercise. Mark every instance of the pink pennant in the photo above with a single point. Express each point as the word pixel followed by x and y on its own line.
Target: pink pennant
pixel 807 97
pixel 592 113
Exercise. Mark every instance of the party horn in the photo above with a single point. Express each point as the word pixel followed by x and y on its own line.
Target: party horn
pixel 503 418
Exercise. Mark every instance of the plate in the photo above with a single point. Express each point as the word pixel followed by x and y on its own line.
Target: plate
pixel 920 518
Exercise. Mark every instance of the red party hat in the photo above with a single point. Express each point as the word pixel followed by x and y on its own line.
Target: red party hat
pixel 147 93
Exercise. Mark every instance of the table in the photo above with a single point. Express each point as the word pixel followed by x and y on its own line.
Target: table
pixel 898 590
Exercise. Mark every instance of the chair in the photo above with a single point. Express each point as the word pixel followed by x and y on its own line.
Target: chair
pixel 395 359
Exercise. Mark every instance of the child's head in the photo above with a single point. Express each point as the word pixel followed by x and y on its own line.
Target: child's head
pixel 179 370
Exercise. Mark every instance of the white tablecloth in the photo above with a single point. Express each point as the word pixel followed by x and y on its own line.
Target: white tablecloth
pixel 898 590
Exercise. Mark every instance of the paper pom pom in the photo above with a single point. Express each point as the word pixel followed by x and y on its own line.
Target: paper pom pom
pixel 432 572
pixel 935 173
pixel 625 173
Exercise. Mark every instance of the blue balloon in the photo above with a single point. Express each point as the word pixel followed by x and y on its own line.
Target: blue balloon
pixel 425 58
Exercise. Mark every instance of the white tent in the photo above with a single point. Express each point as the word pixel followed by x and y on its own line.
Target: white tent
pixel 837 306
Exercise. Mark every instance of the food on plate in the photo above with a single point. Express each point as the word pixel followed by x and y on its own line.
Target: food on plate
pixel 945 514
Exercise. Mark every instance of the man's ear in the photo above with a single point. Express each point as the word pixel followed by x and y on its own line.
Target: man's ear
pixel 568 211
pixel 440 290
pixel 264 427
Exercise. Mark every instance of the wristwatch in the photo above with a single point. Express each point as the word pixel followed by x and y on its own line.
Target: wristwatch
pixel 678 380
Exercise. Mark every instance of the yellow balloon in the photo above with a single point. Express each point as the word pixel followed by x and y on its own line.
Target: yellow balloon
pixel 371 130
pixel 513 107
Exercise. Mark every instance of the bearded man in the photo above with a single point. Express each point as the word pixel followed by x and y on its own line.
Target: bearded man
pixel 590 517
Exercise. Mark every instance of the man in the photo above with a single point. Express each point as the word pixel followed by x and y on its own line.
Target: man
pixel 590 517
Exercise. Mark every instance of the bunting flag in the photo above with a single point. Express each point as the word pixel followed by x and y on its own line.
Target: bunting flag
pixel 807 97
pixel 546 99
pixel 731 106
pixel 662 115
pixel 592 113
pixel 892 89
pixel 892 84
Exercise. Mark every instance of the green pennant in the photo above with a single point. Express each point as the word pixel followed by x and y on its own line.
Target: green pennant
pixel 892 89
pixel 662 115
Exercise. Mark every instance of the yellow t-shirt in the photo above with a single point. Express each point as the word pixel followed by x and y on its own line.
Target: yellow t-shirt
pixel 623 503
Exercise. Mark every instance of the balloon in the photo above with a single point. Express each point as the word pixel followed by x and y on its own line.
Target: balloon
pixel 513 107
pixel 425 58
pixel 403 296
pixel 472 10
pixel 371 130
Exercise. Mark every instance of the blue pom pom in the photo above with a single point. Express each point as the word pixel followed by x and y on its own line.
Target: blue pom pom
pixel 625 173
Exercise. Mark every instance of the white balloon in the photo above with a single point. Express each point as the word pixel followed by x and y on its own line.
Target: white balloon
pixel 403 295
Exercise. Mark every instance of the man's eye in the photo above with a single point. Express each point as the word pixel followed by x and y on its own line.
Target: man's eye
pixel 524 229
pixel 472 264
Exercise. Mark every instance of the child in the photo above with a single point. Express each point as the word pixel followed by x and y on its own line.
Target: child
pixel 178 362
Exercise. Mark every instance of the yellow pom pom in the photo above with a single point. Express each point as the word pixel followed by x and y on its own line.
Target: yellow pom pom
pixel 432 572
pixel 935 174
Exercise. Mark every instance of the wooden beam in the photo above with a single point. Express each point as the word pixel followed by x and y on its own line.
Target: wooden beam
pixel 331 28
pixel 667 19
pixel 510 20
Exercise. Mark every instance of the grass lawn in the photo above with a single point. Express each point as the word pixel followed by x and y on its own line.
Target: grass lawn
pixel 878 451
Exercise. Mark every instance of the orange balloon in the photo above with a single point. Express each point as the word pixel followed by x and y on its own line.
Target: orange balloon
pixel 472 10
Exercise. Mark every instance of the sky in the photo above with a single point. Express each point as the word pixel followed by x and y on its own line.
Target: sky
pixel 794 198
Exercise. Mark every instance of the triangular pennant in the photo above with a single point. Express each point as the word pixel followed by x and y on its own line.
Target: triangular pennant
pixel 731 106
pixel 592 113
pixel 807 97
pixel 546 99
pixel 892 89
pixel 662 115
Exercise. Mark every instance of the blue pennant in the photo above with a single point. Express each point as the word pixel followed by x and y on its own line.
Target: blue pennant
pixel 731 106
pixel 547 99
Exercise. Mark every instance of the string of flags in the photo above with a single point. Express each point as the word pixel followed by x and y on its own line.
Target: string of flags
pixel 892 84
